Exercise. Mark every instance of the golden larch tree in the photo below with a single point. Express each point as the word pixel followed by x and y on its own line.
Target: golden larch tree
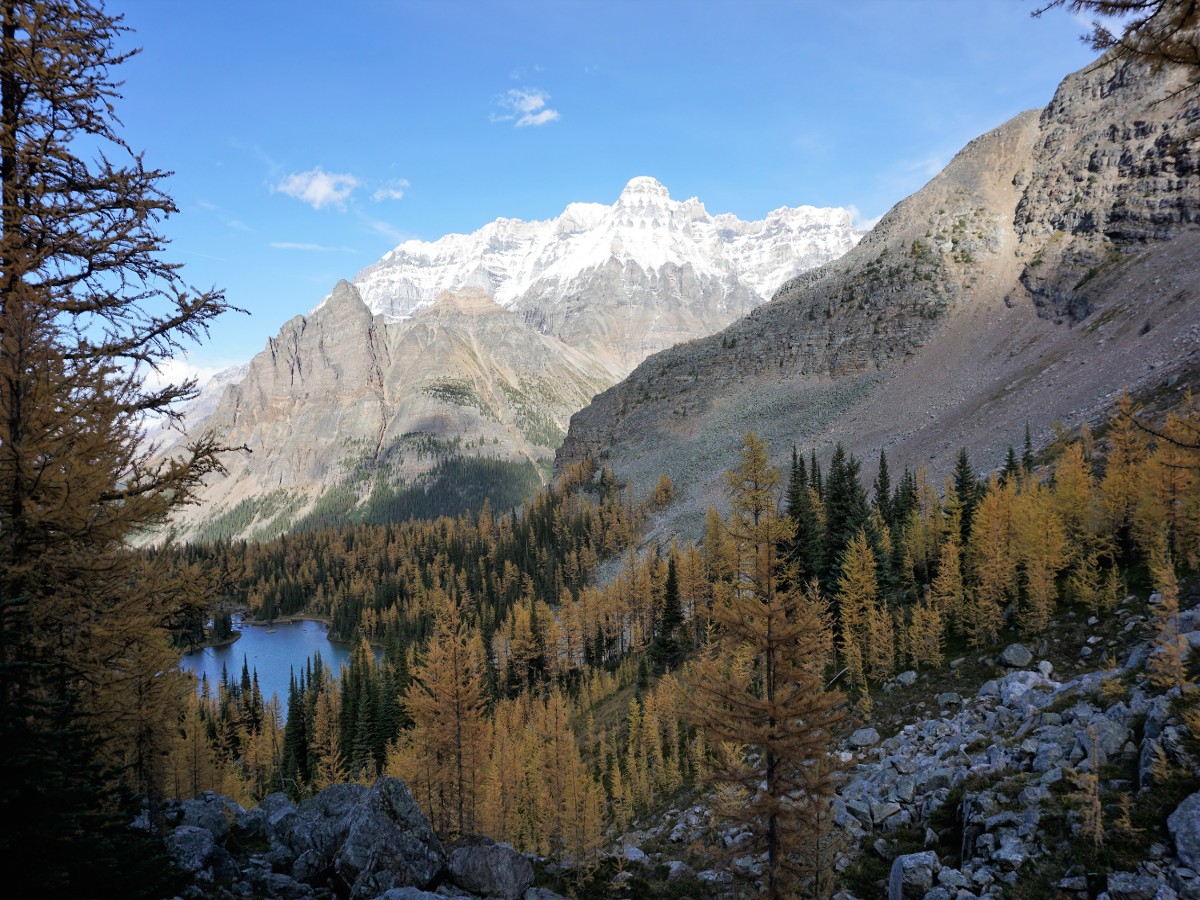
pixel 770 722
pixel 443 755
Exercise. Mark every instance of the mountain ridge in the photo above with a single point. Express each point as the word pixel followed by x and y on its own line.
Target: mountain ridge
pixel 961 294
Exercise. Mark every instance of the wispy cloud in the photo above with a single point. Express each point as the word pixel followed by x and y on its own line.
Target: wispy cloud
pixel 861 222
pixel 519 73
pixel 387 229
pixel 309 248
pixel 239 225
pixel 393 190
pixel 319 188
pixel 524 107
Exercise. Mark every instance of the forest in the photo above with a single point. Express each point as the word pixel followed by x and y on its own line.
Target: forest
pixel 548 642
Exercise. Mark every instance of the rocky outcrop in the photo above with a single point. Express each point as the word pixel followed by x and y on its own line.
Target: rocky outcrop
pixel 348 842
pixel 957 319
pixel 342 399
pixel 1106 179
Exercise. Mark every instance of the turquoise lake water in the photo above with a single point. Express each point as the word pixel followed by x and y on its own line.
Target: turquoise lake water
pixel 275 652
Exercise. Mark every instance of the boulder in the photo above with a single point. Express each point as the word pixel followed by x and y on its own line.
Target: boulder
pixel 634 854
pixel 678 869
pixel 496 870
pixel 906 679
pixel 191 847
pixel 212 811
pixel 913 875
pixel 864 737
pixel 540 893
pixel 408 893
pixel 1016 656
pixel 194 850
pixel 1130 886
pixel 388 843
pixel 317 829
pixel 1184 825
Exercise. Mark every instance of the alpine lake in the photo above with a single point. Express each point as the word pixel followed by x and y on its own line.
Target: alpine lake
pixel 275 651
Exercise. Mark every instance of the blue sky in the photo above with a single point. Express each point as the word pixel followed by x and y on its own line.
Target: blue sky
pixel 309 138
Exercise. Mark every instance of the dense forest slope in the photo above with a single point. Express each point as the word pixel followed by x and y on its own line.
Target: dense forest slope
pixel 1049 265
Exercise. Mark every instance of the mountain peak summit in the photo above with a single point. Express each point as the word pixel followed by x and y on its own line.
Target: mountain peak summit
pixel 643 185
pixel 523 264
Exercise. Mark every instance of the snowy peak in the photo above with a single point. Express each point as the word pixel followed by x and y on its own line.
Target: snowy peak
pixel 643 230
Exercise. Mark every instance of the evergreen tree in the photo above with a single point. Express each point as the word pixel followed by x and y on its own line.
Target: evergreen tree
pixel 805 548
pixel 666 651
pixel 1012 468
pixel 797 483
pixel 846 511
pixel 1027 453
pixel 966 489
pixel 883 490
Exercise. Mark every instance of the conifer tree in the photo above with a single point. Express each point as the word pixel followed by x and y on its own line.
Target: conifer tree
pixel 966 490
pixel 666 650
pixel 856 596
pixel 771 730
pixel 883 489
pixel 87 303
pixel 846 511
pixel 1166 665
pixel 1041 548
pixel 993 563
pixel 446 743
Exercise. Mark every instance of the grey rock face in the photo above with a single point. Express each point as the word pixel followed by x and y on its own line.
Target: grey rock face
pixel 388 843
pixel 408 893
pixel 496 870
pixel 867 349
pixel 1130 886
pixel 1184 825
pixel 213 812
pixel 913 875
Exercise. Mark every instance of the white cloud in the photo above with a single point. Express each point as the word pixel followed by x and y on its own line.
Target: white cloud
pixel 309 248
pixel 319 188
pixel 393 190
pixel 525 107
pixel 859 220
pixel 176 370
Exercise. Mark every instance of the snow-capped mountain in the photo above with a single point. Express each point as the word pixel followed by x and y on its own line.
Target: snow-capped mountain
pixel 644 230
pixel 484 345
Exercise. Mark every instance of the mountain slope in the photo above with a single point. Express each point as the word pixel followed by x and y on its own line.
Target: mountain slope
pixel 341 398
pixel 1050 264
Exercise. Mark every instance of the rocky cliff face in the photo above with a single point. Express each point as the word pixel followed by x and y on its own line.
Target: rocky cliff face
pixel 957 319
pixel 341 398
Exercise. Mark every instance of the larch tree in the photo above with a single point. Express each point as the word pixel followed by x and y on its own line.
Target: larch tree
pixel 993 563
pixel 88 305
pixel 447 745
pixel 770 721
pixel 856 596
